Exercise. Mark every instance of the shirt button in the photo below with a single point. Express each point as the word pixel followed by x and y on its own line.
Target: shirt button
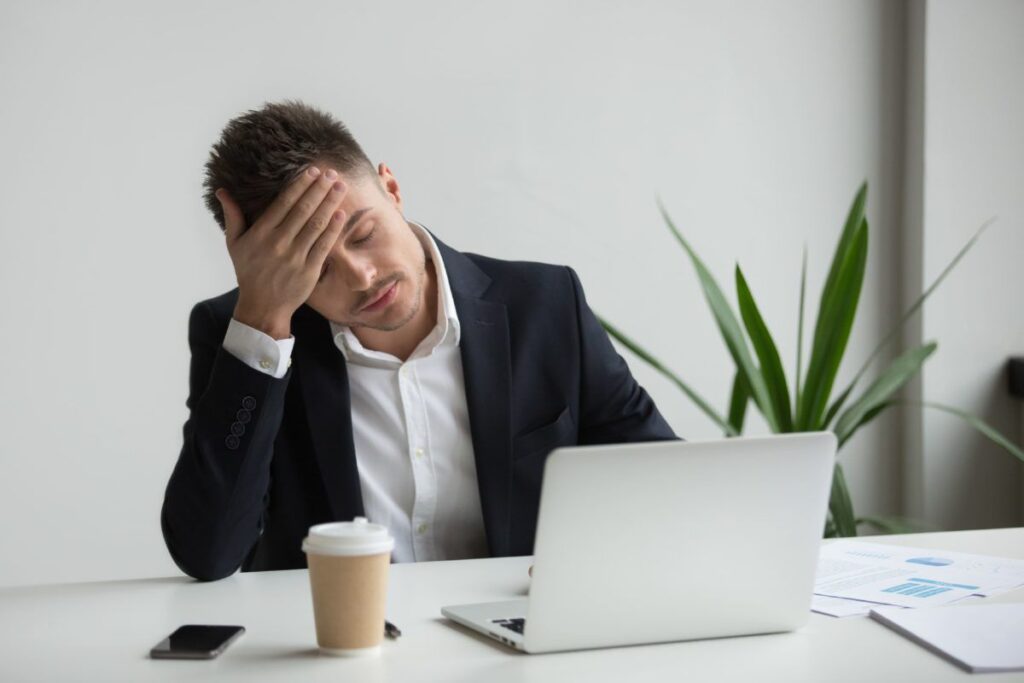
pixel 421 529
pixel 419 452
pixel 265 364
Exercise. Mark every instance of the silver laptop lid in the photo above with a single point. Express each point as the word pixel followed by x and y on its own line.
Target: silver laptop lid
pixel 644 543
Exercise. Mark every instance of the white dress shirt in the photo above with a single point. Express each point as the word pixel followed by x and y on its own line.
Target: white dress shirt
pixel 410 426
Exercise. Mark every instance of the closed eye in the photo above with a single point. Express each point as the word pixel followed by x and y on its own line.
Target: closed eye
pixel 367 238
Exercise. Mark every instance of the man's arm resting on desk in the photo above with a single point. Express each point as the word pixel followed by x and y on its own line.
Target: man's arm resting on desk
pixel 216 496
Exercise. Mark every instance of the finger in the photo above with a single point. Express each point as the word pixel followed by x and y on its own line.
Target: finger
pixel 323 244
pixel 306 234
pixel 234 221
pixel 303 209
pixel 285 201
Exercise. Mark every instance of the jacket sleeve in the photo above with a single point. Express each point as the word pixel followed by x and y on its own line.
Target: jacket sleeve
pixel 213 507
pixel 614 408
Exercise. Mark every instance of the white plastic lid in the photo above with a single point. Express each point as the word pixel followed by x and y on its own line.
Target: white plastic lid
pixel 358 537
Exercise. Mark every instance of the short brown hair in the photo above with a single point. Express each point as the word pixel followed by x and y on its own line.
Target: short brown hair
pixel 263 150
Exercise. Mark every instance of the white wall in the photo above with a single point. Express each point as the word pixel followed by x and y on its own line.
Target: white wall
pixel 970 167
pixel 529 130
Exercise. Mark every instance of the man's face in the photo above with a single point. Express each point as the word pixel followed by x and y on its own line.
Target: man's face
pixel 375 274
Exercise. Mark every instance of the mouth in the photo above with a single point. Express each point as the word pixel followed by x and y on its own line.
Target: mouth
pixel 382 300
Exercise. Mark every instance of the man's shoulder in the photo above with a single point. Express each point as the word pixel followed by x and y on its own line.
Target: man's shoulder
pixel 535 294
pixel 523 276
pixel 511 281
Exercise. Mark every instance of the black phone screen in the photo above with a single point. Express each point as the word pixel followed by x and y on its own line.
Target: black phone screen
pixel 196 642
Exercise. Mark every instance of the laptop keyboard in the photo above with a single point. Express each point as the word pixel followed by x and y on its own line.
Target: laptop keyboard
pixel 515 624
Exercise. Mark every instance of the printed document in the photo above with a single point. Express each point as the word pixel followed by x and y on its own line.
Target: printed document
pixel 854 576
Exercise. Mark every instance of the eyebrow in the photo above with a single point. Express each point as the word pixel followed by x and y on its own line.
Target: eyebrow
pixel 353 219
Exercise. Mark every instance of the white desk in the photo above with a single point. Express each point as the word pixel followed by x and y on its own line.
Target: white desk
pixel 103 632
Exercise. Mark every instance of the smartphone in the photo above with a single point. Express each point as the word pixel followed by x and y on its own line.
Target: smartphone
pixel 196 642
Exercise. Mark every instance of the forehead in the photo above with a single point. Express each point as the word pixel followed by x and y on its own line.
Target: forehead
pixel 362 198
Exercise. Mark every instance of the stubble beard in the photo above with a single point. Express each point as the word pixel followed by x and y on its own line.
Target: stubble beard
pixel 417 304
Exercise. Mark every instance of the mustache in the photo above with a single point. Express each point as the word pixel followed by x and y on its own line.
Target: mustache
pixel 376 290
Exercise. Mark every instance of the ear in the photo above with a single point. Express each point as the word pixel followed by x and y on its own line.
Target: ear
pixel 389 184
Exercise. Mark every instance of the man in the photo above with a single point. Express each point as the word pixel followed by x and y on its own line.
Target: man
pixel 362 366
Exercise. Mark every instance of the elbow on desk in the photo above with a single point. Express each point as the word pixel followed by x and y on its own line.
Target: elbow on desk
pixel 203 561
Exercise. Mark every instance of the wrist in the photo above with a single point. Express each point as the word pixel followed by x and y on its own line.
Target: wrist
pixel 271 323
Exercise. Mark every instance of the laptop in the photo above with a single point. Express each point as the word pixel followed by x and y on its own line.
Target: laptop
pixel 669 541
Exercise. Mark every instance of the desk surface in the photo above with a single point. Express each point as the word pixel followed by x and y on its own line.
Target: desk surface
pixel 103 631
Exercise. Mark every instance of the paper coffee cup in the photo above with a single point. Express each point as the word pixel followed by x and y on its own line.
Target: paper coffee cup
pixel 348 577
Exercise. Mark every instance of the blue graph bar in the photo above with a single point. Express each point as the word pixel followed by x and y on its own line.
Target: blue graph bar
pixel 943 583
pixel 898 589
pixel 921 590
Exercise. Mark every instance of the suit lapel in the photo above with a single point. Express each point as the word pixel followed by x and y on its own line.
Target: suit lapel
pixel 486 369
pixel 323 377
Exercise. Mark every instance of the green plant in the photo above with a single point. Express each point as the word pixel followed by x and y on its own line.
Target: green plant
pixel 760 376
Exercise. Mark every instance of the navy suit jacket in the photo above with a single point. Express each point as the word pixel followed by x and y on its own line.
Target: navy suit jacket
pixel 264 459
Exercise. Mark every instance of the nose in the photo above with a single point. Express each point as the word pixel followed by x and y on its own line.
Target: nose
pixel 357 270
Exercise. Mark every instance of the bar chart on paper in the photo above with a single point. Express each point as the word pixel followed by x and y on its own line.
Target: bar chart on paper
pixel 925 588
pixel 854 576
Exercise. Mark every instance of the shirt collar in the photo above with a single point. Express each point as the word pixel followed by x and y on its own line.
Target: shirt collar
pixel 448 330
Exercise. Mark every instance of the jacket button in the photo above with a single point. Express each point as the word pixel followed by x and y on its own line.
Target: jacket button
pixel 243 416
pixel 232 442
pixel 237 428
pixel 248 403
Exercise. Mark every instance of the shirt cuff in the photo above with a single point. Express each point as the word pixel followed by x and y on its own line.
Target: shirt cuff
pixel 258 350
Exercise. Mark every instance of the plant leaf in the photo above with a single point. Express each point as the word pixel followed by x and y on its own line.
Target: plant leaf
pixel 657 365
pixel 840 505
pixel 738 400
pixel 800 335
pixel 990 432
pixel 729 326
pixel 834 408
pixel 830 528
pixel 868 417
pixel 836 312
pixel 843 248
pixel 882 389
pixel 891 524
pixel 853 220
pixel 767 354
